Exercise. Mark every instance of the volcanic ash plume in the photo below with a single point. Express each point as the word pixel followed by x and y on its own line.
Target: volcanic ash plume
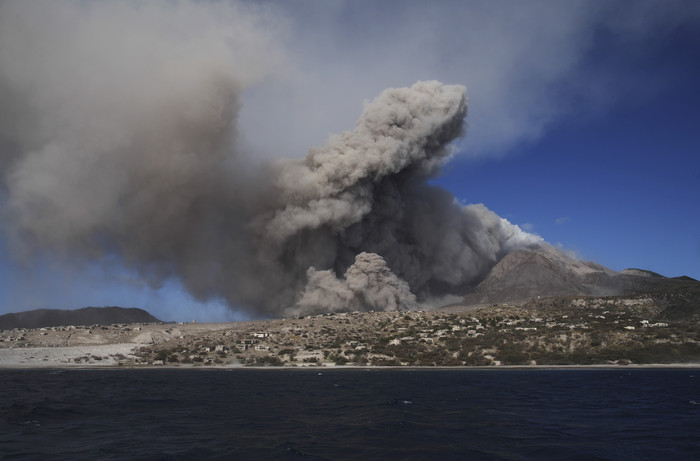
pixel 367 285
pixel 367 191
pixel 122 148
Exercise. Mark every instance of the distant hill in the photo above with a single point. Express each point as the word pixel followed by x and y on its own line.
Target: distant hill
pixel 86 316
pixel 685 278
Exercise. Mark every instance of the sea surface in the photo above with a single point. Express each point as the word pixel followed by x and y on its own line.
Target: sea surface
pixel 358 414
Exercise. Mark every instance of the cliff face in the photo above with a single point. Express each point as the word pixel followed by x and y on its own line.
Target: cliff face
pixel 40 318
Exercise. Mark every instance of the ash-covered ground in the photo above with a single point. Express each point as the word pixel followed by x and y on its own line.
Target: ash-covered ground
pixel 551 331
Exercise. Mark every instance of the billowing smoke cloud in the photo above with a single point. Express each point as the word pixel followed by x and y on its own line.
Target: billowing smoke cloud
pixel 367 191
pixel 368 284
pixel 118 140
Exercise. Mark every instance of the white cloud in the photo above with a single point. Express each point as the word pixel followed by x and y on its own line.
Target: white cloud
pixel 562 220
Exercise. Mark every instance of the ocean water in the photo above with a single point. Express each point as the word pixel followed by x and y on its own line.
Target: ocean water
pixel 358 414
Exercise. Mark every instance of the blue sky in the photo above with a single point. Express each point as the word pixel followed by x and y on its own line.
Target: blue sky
pixel 583 126
pixel 620 186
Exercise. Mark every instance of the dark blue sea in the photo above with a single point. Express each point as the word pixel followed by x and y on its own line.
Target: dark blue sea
pixel 358 414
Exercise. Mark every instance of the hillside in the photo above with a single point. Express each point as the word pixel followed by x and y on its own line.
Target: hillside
pixel 40 318
pixel 546 331
pixel 544 271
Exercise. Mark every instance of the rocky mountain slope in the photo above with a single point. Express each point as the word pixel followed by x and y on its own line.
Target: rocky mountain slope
pixel 86 316
pixel 544 271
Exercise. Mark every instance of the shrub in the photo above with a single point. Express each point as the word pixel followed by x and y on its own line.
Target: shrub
pixel 339 359
pixel 384 362
pixel 512 354
pixel 268 360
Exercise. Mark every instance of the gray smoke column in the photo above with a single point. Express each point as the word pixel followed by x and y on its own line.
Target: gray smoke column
pixel 121 146
pixel 367 191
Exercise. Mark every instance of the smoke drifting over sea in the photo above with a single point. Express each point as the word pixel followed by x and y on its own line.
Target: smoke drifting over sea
pixel 124 145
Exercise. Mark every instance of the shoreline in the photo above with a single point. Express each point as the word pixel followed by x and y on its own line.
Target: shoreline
pixel 498 337
pixel 320 369
pixel 116 356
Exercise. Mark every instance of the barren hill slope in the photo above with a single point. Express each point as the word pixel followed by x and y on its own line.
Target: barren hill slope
pixel 544 271
pixel 86 316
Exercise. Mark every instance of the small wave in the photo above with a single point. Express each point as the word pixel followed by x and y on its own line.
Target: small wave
pixel 288 448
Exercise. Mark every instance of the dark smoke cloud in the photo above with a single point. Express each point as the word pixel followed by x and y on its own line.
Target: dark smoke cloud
pixel 367 191
pixel 124 144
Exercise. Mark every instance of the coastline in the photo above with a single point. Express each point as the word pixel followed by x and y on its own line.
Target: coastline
pixel 320 370
pixel 64 358
pixel 498 337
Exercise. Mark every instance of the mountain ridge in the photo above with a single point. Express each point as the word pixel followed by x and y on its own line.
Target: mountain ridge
pixel 543 271
pixel 40 318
